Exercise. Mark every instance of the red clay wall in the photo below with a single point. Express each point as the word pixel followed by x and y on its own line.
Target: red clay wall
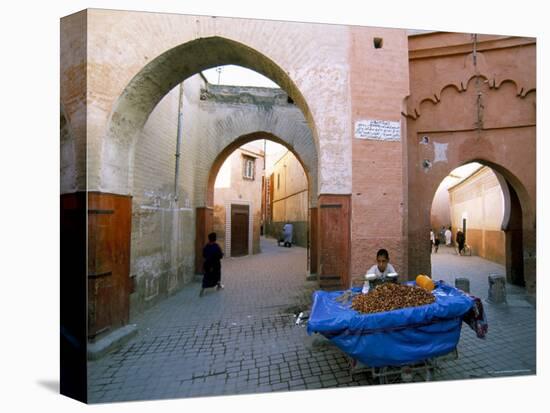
pixel 379 83
pixel 489 119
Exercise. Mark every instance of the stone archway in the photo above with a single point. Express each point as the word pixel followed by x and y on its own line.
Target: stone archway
pixel 161 75
pixel 129 116
pixel 516 209
pixel 204 215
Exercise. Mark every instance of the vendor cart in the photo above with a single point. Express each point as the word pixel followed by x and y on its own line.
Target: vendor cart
pixel 424 370
pixel 393 345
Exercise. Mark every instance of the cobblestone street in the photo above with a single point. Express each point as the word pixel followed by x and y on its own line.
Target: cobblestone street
pixel 244 339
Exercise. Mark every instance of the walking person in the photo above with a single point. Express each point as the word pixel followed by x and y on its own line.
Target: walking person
pixel 448 235
pixel 460 240
pixel 435 242
pixel 212 254
pixel 287 234
pixel 441 235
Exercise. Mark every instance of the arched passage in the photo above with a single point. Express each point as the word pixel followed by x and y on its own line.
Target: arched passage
pixel 130 114
pixel 204 221
pixel 242 140
pixel 157 78
pixel 477 110
pixel 479 199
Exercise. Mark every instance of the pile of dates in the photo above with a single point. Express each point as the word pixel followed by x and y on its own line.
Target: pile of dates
pixel 390 296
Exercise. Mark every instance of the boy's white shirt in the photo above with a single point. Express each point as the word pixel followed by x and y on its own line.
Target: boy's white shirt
pixel 374 270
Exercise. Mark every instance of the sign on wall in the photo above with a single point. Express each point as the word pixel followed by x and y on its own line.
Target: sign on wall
pixel 380 130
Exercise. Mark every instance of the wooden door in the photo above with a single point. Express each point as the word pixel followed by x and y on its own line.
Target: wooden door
pixel 239 230
pixel 334 241
pixel 109 284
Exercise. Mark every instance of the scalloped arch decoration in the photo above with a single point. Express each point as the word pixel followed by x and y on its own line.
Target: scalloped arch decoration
pixel 462 86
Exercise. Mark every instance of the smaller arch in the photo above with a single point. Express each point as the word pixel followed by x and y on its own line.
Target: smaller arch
pixel 242 140
pixel 512 180
pixel 429 99
pixel 520 91
pixel 517 222
pixel 473 78
pixel 505 177
pixel 449 86
pixel 527 92
pixel 205 222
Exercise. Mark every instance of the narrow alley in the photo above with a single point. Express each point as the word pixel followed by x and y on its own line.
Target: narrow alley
pixel 244 339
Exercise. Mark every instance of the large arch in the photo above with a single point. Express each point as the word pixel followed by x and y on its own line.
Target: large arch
pixel 157 78
pixel 134 106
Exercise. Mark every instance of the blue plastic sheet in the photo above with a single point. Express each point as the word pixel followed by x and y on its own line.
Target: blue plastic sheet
pixel 392 338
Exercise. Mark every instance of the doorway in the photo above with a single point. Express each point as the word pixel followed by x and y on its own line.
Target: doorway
pixel 239 230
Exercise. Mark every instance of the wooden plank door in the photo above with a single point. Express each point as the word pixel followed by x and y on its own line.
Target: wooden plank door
pixel 239 230
pixel 109 284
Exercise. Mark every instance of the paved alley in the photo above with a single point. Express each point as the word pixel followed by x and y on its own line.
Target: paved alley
pixel 244 339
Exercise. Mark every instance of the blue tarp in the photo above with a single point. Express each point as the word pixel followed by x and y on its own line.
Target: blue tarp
pixel 392 338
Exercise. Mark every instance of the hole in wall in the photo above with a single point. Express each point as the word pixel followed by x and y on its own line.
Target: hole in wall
pixel 378 41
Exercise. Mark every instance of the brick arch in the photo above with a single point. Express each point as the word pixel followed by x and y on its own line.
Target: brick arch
pixel 505 177
pixel 204 215
pixel 224 133
pixel 161 75
pixel 519 218
pixel 509 177
pixel 515 182
pixel 244 139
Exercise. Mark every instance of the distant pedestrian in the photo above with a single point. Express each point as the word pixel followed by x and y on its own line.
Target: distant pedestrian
pixel 434 241
pixel 212 254
pixel 460 240
pixel 441 235
pixel 287 234
pixel 448 235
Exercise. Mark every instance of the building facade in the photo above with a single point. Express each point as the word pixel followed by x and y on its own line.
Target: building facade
pixel 237 201
pixel 377 118
pixel 473 99
pixel 288 199
pixel 477 206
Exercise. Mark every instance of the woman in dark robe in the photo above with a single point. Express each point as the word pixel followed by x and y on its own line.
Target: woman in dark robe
pixel 212 254
pixel 460 240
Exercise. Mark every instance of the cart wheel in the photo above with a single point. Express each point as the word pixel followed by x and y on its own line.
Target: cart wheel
pixel 430 373
pixel 382 379
pixel 351 366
